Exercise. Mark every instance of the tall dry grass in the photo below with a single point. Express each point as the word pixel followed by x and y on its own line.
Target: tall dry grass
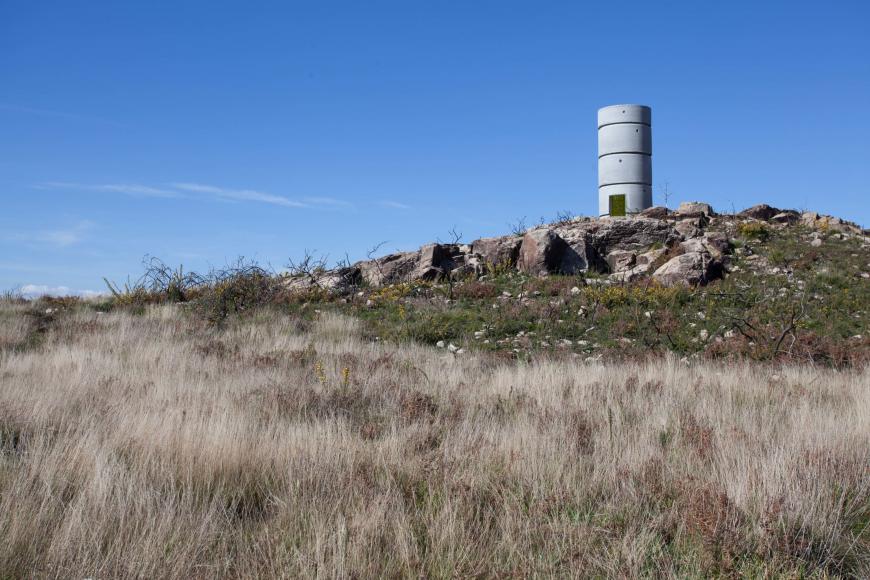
pixel 152 446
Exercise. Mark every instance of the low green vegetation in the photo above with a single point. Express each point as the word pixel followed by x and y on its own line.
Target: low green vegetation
pixel 783 299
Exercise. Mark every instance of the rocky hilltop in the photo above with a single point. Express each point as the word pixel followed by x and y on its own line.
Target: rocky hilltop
pixel 691 245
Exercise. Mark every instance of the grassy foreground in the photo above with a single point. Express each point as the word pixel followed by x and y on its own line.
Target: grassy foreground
pixel 155 445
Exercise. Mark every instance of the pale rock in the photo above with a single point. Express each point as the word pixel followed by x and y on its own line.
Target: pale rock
pixel 434 261
pixel 694 209
pixel 500 251
pixel 786 217
pixel 688 228
pixel 657 212
pixel 760 212
pixel 691 269
pixel 621 260
pixel 541 252
pixel 389 269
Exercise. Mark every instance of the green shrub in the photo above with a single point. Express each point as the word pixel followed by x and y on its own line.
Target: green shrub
pixel 754 230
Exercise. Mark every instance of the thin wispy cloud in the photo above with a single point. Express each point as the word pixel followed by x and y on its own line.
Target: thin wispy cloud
pixel 60 238
pixel 393 204
pixel 327 201
pixel 202 191
pixel 132 189
pixel 238 194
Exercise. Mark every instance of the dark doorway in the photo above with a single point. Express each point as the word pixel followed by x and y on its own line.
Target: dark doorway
pixel 617 205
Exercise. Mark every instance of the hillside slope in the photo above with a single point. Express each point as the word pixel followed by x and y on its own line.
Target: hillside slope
pixel 145 443
pixel 764 284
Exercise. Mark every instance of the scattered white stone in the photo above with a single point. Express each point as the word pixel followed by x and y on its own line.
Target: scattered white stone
pixel 575 291
pixel 730 334
pixel 506 294
pixel 440 344
pixel 702 316
pixel 370 303
pixel 648 314
pixel 460 351
pixel 479 334
pixel 452 348
pixel 704 335
pixel 816 242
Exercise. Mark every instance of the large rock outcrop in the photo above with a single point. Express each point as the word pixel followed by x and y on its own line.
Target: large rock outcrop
pixel 761 211
pixel 501 251
pixel 541 252
pixel 435 261
pixel 626 248
pixel 390 269
pixel 608 234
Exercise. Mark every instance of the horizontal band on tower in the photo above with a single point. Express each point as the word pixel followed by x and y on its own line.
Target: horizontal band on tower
pixel 625 153
pixel 625 123
pixel 625 183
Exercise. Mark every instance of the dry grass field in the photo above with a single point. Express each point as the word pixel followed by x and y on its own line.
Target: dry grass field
pixel 153 446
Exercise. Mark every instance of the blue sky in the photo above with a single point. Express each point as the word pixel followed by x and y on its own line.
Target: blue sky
pixel 201 131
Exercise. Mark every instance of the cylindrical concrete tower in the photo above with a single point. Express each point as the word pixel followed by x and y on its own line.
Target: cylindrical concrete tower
pixel 624 159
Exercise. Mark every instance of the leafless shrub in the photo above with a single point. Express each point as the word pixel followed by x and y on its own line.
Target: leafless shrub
pixel 519 227
pixel 309 266
pixel 564 217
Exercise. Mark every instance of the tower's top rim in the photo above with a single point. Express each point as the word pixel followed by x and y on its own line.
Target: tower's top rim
pixel 624 114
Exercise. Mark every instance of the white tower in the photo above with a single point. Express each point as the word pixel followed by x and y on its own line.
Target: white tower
pixel 624 159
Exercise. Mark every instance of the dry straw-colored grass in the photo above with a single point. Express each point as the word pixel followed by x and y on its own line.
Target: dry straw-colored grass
pixel 151 446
